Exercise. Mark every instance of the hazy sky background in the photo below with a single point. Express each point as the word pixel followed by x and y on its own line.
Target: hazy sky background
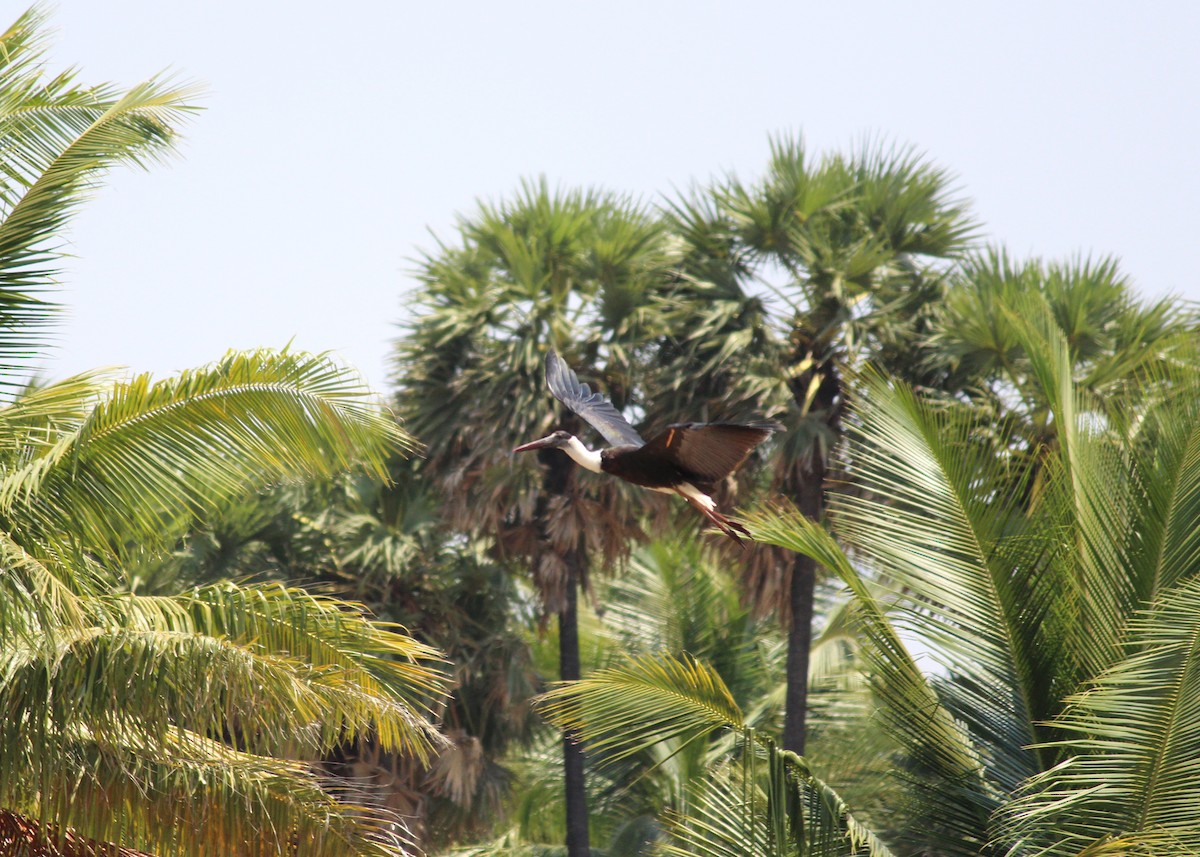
pixel 336 135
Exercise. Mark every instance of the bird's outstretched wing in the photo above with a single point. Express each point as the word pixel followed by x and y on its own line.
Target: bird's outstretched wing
pixel 593 407
pixel 709 451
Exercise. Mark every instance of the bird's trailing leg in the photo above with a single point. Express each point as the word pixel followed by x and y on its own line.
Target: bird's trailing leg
pixel 704 504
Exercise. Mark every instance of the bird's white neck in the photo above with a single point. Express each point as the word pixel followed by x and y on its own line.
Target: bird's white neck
pixel 584 457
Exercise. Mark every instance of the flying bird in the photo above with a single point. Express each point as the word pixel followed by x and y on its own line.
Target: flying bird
pixel 687 459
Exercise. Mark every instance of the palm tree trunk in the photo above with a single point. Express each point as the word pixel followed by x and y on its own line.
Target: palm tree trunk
pixel 811 502
pixel 799 644
pixel 569 670
pixel 559 470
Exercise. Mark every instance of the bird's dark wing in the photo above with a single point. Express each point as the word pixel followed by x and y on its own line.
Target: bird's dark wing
pixel 593 407
pixel 709 451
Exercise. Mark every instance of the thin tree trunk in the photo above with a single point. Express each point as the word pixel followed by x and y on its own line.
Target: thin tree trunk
pixel 795 727
pixel 569 670
pixel 811 501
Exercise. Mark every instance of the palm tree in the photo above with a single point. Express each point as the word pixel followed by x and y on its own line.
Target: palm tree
pixel 755 797
pixel 147 720
pixel 59 138
pixel 1058 715
pixel 383 545
pixel 675 599
pixel 184 724
pixel 1051 612
pixel 1119 346
pixel 548 269
pixel 860 243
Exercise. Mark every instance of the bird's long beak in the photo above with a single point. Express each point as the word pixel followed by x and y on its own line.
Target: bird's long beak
pixel 536 444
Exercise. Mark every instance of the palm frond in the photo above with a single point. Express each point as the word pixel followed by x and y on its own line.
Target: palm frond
pixel 194 703
pixel 911 704
pixel 1165 461
pixel 943 533
pixel 58 139
pixel 152 455
pixel 190 795
pixel 34 599
pixel 36 417
pixel 1133 772
pixel 1089 497
pixel 648 700
pixel 667 697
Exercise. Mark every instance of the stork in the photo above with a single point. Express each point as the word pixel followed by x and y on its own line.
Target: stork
pixel 687 459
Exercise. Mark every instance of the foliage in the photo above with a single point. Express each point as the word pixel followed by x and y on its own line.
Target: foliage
pixel 213 695
pixel 185 723
pixel 854 249
pixel 1050 615
pixel 382 545
pixel 58 138
pixel 762 800
pixel 560 269
pixel 547 270
pixel 1050 709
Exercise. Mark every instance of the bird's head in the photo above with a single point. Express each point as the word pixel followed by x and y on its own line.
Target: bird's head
pixel 558 439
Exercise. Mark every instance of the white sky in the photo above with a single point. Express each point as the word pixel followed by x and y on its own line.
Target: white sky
pixel 336 135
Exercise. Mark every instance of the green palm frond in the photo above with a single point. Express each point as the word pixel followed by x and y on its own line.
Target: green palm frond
pixel 1088 496
pixel 194 702
pixel 36 417
pixel 1024 583
pixel 1165 549
pixel 1133 774
pixel 769 807
pixel 948 541
pixel 190 795
pixel 675 597
pixel 648 700
pixel 58 138
pixel 667 697
pixel 911 705
pixel 832 828
pixel 153 455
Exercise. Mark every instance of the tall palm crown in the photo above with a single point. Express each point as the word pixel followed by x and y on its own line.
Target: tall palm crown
pixel 549 269
pixel 857 245
pixel 1122 349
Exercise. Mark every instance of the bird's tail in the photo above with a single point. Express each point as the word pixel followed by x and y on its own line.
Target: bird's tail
pixel 728 527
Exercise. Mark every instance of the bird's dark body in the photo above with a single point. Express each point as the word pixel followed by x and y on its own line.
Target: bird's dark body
pixel 698 453
pixel 649 471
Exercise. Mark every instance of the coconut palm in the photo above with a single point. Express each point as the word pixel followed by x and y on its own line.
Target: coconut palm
pixel 547 269
pixel 58 139
pixel 185 724
pixel 148 720
pixel 383 545
pixel 1051 613
pixel 1057 716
